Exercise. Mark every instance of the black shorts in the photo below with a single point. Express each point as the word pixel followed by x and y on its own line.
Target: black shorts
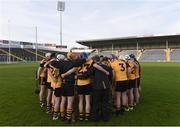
pixel 49 86
pixel 42 81
pixel 67 89
pixel 84 89
pixel 132 84
pixel 57 92
pixel 121 86
pixel 138 82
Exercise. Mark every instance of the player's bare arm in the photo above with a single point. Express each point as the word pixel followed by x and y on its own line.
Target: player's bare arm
pixel 74 69
pixel 39 72
pixel 49 62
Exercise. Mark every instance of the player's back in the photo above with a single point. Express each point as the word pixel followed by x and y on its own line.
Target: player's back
pixel 101 80
pixel 120 70
pixel 131 65
pixel 82 69
pixel 69 64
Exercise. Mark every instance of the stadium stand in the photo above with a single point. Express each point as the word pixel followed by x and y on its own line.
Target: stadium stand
pixel 145 48
pixel 26 51
pixel 153 55
pixel 3 56
pixel 13 55
pixel 175 55
pixel 152 48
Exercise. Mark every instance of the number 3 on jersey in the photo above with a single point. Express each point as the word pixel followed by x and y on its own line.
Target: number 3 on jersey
pixel 122 67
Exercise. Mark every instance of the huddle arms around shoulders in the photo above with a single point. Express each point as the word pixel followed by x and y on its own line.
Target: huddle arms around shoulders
pixel 91 71
pixel 76 64
pixel 43 65
pixel 74 69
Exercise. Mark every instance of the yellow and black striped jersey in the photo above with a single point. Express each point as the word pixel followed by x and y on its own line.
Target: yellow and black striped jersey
pixel 82 69
pixel 56 84
pixel 48 76
pixel 51 69
pixel 56 74
pixel 132 75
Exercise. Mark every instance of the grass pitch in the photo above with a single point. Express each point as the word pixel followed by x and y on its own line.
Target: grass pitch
pixel 159 103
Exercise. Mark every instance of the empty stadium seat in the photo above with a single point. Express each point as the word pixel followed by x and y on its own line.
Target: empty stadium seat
pixel 153 55
pixel 175 55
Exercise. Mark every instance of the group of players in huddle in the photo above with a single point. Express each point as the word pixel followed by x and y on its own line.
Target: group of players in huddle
pixel 89 83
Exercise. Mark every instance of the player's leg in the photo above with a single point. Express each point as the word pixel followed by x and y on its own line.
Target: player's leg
pixel 136 96
pixel 69 111
pixel 118 98
pixel 57 95
pixel 124 96
pixel 118 103
pixel 49 98
pixel 52 102
pixel 124 101
pixel 63 102
pixel 127 93
pixel 136 93
pixel 70 101
pixel 87 92
pixel 131 95
pixel 56 108
pixel 81 113
pixel 138 85
pixel 62 107
pixel 88 107
pixel 42 93
pixel 131 98
pixel 80 104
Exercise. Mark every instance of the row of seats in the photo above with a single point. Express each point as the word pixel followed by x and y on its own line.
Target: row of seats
pixel 147 55
pixel 152 55
pixel 175 55
pixel 159 55
pixel 19 54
